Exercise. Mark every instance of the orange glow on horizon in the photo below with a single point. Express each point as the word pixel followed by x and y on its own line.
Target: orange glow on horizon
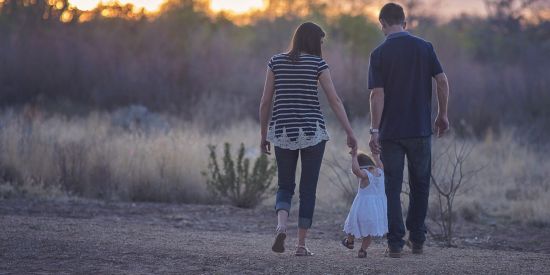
pixel 229 6
pixel 149 5
pixel 237 6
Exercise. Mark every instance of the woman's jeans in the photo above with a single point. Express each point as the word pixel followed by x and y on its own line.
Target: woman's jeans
pixel 418 153
pixel 311 158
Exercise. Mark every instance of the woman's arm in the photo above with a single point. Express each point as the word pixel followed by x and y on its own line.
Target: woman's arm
pixel 336 105
pixel 265 108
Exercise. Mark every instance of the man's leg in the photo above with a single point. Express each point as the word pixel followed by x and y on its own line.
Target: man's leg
pixel 393 158
pixel 419 164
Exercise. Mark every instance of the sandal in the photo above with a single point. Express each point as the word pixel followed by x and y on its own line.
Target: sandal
pixel 347 243
pixel 279 243
pixel 362 253
pixel 302 250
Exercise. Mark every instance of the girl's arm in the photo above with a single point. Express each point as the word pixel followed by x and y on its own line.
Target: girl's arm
pixel 265 107
pixel 378 161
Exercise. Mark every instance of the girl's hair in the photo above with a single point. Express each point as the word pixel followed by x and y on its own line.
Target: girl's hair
pixel 364 160
pixel 306 39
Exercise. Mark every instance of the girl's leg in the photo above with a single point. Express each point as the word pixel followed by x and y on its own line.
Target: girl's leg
pixel 348 241
pixel 364 245
pixel 366 242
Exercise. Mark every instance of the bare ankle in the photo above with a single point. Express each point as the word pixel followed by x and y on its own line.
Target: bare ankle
pixel 366 243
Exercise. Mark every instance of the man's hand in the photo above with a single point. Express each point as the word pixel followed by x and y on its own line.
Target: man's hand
pixel 441 125
pixel 374 144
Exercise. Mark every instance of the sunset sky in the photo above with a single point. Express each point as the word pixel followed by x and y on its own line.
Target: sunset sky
pixel 449 7
pixel 235 6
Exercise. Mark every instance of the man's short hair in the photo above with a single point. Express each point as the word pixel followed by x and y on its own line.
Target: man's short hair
pixel 392 14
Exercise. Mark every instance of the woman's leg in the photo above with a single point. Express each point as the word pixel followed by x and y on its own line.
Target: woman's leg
pixel 282 217
pixel 286 171
pixel 311 159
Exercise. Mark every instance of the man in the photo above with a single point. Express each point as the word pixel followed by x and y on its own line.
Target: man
pixel 400 80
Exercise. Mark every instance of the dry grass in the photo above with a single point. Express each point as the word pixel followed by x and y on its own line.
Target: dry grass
pixel 97 157
pixel 93 157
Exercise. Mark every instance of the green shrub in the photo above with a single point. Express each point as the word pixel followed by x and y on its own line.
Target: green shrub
pixel 235 182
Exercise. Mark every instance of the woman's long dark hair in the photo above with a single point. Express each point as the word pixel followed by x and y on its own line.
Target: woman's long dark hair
pixel 306 39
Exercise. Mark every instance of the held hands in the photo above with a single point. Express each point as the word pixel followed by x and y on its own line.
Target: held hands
pixel 374 144
pixel 352 144
pixel 441 125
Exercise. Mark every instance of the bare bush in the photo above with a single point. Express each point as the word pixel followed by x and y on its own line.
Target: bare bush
pixel 449 174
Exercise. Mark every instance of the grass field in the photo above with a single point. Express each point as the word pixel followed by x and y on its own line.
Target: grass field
pixel 134 155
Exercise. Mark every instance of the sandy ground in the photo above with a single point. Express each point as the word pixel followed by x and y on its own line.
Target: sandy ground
pixel 83 237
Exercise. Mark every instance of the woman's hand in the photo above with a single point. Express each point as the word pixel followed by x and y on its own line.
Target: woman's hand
pixel 265 107
pixel 265 146
pixel 352 144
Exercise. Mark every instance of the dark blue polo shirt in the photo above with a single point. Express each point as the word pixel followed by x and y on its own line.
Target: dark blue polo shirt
pixel 404 66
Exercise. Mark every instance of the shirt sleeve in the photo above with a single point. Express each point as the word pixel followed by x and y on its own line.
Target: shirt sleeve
pixel 434 62
pixel 375 72
pixel 270 63
pixel 322 66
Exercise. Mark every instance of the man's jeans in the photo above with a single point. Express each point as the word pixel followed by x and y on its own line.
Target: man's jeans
pixel 311 158
pixel 418 153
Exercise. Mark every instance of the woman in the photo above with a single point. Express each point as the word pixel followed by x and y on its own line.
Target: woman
pixel 297 126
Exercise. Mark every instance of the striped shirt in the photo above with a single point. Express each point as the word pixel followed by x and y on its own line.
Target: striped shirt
pixel 297 121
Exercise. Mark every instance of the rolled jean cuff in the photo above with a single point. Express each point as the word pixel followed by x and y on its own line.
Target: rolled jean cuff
pixel 282 205
pixel 304 223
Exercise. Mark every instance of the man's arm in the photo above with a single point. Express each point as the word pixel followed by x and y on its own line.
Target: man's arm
pixel 442 121
pixel 376 108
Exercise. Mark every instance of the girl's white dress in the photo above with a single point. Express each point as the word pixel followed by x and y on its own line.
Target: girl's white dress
pixel 368 213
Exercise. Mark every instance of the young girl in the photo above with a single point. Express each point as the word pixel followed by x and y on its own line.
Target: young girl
pixel 367 217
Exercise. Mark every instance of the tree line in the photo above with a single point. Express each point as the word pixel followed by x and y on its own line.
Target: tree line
pixel 186 60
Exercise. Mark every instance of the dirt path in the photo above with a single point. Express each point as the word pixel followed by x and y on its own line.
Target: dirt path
pixel 91 237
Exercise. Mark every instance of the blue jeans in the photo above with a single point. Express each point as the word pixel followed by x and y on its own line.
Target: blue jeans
pixel 418 153
pixel 311 158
